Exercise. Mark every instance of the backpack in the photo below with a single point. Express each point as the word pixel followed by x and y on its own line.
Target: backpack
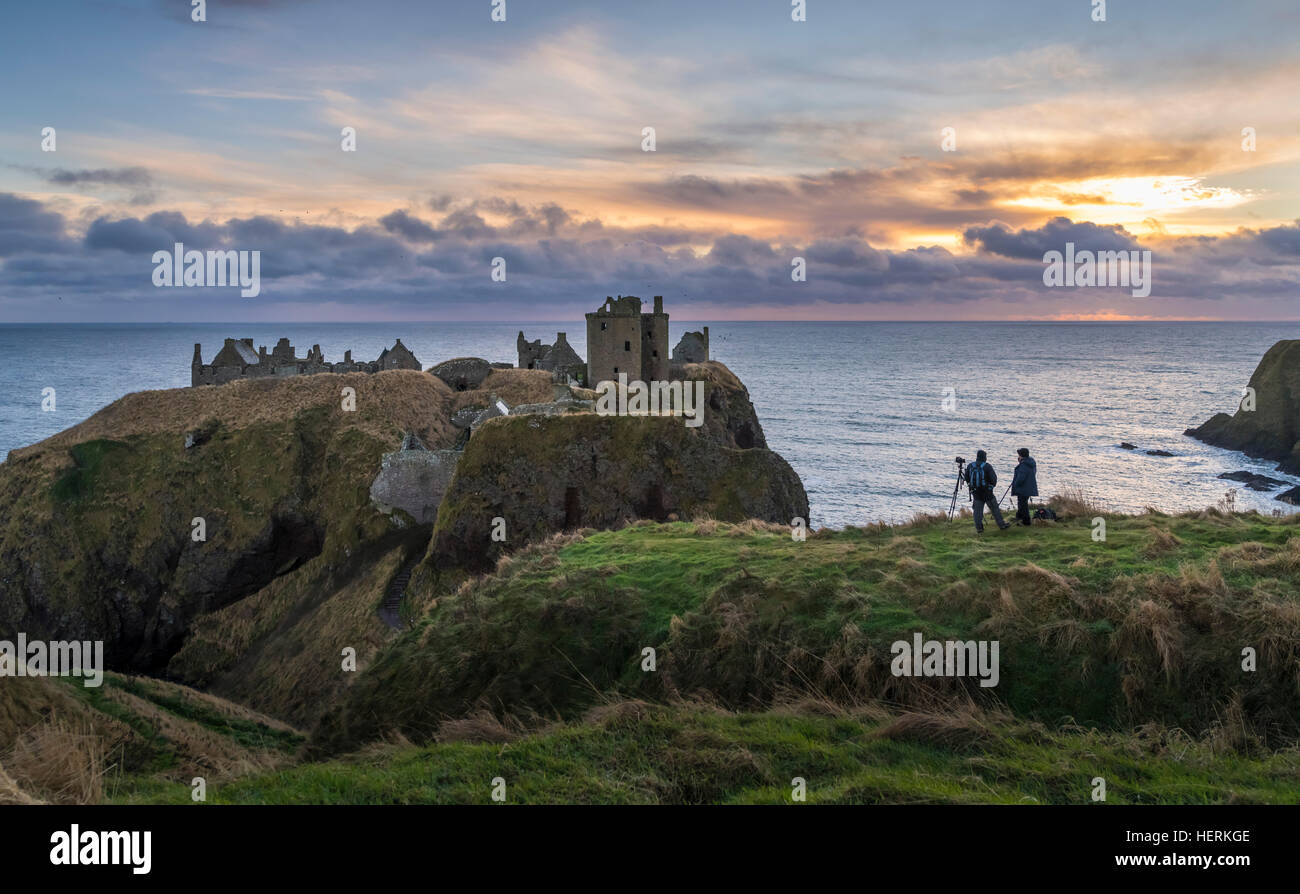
pixel 1045 513
pixel 978 480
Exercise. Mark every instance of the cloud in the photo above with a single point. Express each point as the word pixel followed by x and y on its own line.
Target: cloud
pixel 110 176
pixel 401 266
pixel 1031 244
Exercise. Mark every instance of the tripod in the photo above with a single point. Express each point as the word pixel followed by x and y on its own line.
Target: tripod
pixel 956 489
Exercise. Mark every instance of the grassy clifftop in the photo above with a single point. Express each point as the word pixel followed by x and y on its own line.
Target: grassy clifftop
pixel 1138 639
pixel 1147 626
pixel 1120 659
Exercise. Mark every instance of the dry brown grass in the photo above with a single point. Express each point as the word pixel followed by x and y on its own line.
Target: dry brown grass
pixel 200 751
pixel 479 727
pixel 1154 624
pixel 514 386
pixel 63 762
pixel 1161 542
pixel 713 372
pixel 386 403
pixel 10 793
pixel 1074 503
pixel 957 726
pixel 757 526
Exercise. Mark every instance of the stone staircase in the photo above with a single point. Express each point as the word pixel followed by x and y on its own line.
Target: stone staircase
pixel 389 611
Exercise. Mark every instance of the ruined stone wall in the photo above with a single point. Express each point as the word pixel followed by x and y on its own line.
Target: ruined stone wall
pixel 414 482
pixel 654 345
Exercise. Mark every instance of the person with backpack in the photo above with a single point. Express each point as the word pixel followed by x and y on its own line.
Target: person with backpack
pixel 980 480
pixel 1024 484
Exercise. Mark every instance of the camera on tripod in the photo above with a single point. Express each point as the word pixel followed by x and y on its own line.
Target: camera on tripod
pixel 956 488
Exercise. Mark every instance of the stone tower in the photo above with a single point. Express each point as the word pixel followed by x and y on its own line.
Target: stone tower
pixel 622 339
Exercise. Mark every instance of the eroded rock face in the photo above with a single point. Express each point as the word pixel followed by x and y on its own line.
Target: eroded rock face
pixel 544 474
pixel 1272 429
pixel 729 416
pixel 131 539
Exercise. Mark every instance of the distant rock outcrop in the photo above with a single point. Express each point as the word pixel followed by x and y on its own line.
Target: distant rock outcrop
pixel 463 373
pixel 1254 481
pixel 1271 430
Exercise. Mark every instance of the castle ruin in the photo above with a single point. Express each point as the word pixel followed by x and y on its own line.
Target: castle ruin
pixel 238 360
pixel 559 358
pixel 622 339
pixel 692 348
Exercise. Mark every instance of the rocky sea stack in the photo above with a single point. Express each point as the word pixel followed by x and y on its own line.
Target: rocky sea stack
pixel 1269 426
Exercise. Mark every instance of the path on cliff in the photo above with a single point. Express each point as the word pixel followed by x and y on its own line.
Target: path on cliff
pixel 389 611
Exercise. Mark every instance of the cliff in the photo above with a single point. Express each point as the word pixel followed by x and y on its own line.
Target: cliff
pixel 238 538
pixel 1272 429
pixel 100 539
pixel 544 474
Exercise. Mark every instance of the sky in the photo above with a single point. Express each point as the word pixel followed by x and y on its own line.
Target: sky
pixel 774 140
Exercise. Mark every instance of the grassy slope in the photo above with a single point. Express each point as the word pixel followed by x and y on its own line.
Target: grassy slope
pixel 1146 626
pixel 635 753
pixel 63 742
pixel 1119 659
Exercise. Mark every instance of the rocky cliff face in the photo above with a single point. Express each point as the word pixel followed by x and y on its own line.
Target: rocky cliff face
pixel 543 474
pixel 1272 429
pixel 730 418
pixel 230 563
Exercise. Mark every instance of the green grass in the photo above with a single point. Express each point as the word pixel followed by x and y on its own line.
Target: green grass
pixel 245 732
pixel 1146 626
pixel 145 758
pixel 1118 659
pixel 647 755
pixel 88 459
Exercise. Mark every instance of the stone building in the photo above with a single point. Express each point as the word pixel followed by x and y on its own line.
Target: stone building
pixel 559 358
pixel 399 356
pixel 622 339
pixel 238 360
pixel 413 479
pixel 692 348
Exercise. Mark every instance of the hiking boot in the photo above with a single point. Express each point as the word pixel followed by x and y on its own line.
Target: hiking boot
pixel 1004 526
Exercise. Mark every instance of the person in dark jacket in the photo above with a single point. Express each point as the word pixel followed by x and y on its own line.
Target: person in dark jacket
pixel 1024 484
pixel 980 480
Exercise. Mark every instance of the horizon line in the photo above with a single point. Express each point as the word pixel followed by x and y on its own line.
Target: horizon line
pixel 570 320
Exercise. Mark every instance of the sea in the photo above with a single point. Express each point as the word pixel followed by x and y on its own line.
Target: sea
pixel 871 415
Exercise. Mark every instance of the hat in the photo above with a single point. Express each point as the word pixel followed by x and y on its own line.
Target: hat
pixel 981 455
pixel 1023 451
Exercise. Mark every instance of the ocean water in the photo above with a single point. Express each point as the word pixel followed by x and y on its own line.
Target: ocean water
pixel 857 408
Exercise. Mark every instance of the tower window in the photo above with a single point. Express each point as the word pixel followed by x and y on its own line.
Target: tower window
pixel 604 326
pixel 654 353
pixel 627 345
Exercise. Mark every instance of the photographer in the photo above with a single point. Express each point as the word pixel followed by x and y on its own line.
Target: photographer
pixel 980 480
pixel 1024 484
